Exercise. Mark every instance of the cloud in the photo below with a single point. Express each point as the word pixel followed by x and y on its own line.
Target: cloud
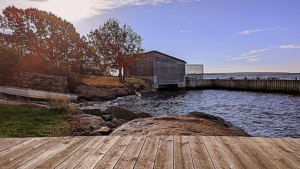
pixel 186 31
pixel 253 59
pixel 97 7
pixel 239 65
pixel 183 1
pixel 290 47
pixel 235 58
pixel 246 32
pixel 282 29
pixel 250 58
pixel 257 51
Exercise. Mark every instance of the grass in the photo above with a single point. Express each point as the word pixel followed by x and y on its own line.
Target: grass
pixel 104 81
pixel 26 121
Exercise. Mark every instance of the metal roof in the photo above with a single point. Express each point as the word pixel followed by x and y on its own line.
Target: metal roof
pixel 166 55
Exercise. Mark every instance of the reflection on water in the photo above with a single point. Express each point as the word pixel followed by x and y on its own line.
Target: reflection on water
pixel 259 114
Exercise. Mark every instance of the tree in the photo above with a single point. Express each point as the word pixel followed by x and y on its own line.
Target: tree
pixel 8 60
pixel 116 46
pixel 43 34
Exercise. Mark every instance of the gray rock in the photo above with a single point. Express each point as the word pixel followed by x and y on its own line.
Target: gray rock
pixel 95 112
pixel 121 113
pixel 212 118
pixel 90 121
pixel 116 122
pixel 103 130
pixel 95 94
pixel 108 117
pixel 108 124
pixel 143 115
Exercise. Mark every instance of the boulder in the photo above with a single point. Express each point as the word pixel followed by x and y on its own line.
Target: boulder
pixel 108 124
pixel 87 121
pixel 121 113
pixel 143 115
pixel 96 112
pixel 91 93
pixel 107 117
pixel 116 122
pixel 103 130
pixel 211 117
pixel 172 125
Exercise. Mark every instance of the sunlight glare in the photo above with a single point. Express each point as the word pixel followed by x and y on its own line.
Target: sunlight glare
pixel 71 10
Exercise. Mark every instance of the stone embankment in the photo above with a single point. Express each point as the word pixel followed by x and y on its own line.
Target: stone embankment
pixel 40 82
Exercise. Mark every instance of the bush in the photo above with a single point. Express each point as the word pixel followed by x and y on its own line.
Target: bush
pixel 8 60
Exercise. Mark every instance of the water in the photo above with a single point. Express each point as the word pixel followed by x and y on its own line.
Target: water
pixel 285 76
pixel 259 114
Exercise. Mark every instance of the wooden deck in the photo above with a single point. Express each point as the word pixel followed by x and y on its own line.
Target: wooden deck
pixel 150 152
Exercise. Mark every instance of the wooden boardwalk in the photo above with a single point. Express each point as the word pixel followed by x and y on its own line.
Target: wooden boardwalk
pixel 150 152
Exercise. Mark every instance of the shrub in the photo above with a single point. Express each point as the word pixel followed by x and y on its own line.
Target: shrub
pixel 8 60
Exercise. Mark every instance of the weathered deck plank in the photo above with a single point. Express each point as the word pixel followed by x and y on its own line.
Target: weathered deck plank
pixel 81 154
pixel 164 158
pixel 292 144
pixel 22 149
pixel 253 153
pixel 284 150
pixel 131 154
pixel 150 152
pixel 19 146
pixel 112 157
pixel 266 149
pixel 61 156
pixel 239 159
pixel 32 154
pixel 216 153
pixel 9 142
pixel 65 143
pixel 93 158
pixel 199 153
pixel 182 153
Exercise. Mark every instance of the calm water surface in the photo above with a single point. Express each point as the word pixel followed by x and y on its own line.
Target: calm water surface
pixel 259 114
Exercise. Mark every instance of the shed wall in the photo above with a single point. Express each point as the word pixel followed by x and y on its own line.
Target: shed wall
pixel 168 70
pixel 142 67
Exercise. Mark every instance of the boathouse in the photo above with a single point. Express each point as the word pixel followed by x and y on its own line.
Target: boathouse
pixel 161 69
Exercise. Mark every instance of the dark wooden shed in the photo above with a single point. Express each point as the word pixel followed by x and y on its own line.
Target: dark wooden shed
pixel 161 69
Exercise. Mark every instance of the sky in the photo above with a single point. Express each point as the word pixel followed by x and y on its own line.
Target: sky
pixel 223 35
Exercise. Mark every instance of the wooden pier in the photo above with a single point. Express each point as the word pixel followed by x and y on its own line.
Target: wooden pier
pixel 150 152
pixel 291 86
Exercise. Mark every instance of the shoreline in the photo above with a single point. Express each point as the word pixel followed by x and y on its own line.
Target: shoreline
pixel 118 121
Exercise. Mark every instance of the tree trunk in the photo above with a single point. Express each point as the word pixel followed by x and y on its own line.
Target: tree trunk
pixel 124 73
pixel 120 75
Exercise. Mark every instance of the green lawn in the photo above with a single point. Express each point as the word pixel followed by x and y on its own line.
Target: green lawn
pixel 26 121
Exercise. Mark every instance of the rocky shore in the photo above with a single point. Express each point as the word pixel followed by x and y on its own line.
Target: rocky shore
pixel 91 93
pixel 112 120
pixel 119 121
